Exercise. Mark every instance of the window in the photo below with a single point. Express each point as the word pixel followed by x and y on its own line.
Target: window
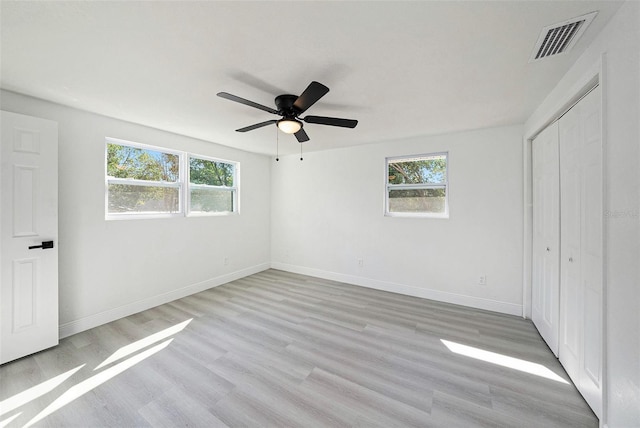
pixel 417 186
pixel 144 182
pixel 212 186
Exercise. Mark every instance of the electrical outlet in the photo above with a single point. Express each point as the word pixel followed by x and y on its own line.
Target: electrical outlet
pixel 360 263
pixel 482 280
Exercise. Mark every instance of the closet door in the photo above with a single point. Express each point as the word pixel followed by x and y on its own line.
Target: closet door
pixel 546 235
pixel 581 260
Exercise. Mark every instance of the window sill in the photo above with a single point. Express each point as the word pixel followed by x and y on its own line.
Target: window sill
pixel 418 215
pixel 213 214
pixel 141 216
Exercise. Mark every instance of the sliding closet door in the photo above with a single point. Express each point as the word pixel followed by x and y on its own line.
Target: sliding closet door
pixel 581 262
pixel 546 235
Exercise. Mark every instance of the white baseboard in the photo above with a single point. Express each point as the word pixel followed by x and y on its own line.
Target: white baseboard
pixel 425 293
pixel 91 321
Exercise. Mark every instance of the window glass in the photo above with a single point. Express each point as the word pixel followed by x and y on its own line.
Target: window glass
pixel 125 198
pixel 430 169
pixel 212 173
pixel 141 164
pixel 211 200
pixel 417 200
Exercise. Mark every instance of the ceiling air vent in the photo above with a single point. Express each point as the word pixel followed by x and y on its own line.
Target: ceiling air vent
pixel 559 38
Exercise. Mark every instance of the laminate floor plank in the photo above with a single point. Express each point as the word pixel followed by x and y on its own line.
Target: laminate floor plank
pixel 175 409
pixel 383 383
pixel 266 385
pixel 538 412
pixel 370 403
pixel 394 376
pixel 278 349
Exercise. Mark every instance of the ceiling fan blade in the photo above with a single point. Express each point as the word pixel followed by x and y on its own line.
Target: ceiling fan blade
pixel 237 99
pixel 301 136
pixel 310 96
pixel 256 126
pixel 333 121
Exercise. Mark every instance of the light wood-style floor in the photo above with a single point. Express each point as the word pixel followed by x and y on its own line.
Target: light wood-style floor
pixel 280 349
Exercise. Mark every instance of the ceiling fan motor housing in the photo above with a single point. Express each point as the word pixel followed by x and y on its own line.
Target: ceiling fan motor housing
pixel 284 104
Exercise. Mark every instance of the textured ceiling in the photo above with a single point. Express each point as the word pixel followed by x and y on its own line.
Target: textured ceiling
pixel 402 69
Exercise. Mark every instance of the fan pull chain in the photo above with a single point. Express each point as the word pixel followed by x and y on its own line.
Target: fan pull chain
pixel 300 151
pixel 277 145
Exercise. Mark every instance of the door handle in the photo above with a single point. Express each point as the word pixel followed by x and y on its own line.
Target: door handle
pixel 44 246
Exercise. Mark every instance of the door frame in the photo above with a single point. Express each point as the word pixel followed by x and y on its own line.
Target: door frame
pixel 561 103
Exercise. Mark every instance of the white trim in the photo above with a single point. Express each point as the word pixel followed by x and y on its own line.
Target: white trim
pixel 604 360
pixel 418 214
pixel 527 226
pixel 148 183
pixel 143 215
pixel 91 321
pixel 210 187
pixel 142 146
pixel 409 290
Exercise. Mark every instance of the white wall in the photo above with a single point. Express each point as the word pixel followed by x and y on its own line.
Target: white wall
pixel 109 269
pixel 619 42
pixel 327 212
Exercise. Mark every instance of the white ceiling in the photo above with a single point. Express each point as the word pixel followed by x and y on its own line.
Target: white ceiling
pixel 402 69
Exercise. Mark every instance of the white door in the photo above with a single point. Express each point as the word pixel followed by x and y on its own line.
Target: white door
pixel 581 263
pixel 546 235
pixel 28 218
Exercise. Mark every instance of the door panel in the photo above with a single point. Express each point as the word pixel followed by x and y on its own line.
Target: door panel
pixel 546 235
pixel 29 216
pixel 570 298
pixel 25 190
pixel 581 262
pixel 25 280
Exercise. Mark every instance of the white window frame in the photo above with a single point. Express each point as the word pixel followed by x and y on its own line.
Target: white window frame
pixel 388 187
pixel 183 184
pixel 233 189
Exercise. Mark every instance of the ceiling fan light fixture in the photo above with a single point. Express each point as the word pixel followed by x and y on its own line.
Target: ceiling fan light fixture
pixel 289 126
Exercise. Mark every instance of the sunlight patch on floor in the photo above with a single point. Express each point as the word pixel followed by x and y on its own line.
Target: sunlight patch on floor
pixel 143 343
pixel 87 385
pixel 34 392
pixel 95 381
pixel 503 360
pixel 9 420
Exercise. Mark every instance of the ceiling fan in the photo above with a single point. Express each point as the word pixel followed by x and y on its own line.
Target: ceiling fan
pixel 290 107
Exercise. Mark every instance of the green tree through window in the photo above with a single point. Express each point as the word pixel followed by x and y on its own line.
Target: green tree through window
pixel 431 170
pixel 211 173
